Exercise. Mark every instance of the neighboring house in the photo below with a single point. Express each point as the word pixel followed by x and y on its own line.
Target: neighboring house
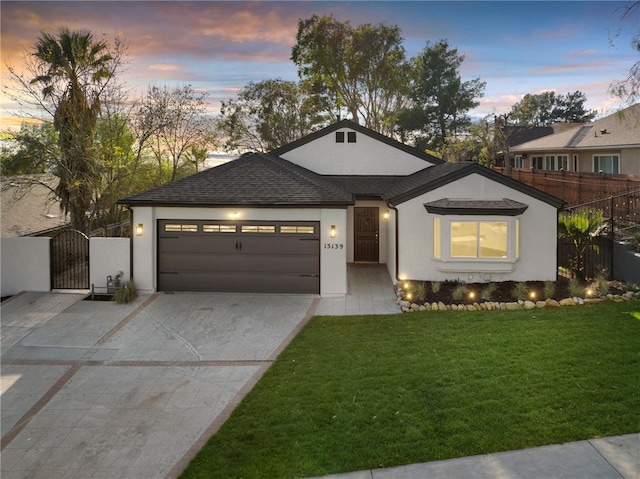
pixel 608 145
pixel 28 207
pixel 291 220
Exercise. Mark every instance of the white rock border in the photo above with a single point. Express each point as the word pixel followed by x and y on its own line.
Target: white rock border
pixel 409 307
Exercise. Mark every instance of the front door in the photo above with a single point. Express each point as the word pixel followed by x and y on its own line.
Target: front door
pixel 366 234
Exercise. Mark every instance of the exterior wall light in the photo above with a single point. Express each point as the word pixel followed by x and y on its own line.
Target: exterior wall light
pixel 332 232
pixel 385 215
pixel 139 229
pixel 235 215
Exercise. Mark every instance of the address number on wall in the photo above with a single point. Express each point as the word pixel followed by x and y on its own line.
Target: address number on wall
pixel 333 246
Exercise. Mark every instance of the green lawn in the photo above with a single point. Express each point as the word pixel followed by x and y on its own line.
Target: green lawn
pixel 364 392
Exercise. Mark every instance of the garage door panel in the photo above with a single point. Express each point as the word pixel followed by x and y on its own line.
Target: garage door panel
pixel 197 244
pixel 238 282
pixel 176 262
pixel 267 245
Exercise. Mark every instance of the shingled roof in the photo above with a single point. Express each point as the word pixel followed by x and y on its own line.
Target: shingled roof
pixel 254 179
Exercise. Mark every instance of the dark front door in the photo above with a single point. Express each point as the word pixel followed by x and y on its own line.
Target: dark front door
pixel 366 234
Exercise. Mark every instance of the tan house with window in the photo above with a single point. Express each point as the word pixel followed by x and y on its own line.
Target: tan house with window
pixel 609 145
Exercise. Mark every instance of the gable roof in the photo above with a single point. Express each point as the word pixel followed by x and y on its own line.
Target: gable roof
pixel 620 130
pixel 267 180
pixel 28 206
pixel 254 179
pixel 360 129
pixel 429 179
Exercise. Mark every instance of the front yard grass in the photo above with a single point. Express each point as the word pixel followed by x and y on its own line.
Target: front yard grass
pixel 364 392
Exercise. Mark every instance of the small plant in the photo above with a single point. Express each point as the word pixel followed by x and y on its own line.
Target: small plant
pixel 575 287
pixel 419 289
pixel 549 289
pixel 125 294
pixel 435 286
pixel 602 285
pixel 630 286
pixel 488 291
pixel 519 291
pixel 459 292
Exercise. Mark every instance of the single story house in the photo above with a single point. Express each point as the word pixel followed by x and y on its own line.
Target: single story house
pixel 291 220
pixel 608 145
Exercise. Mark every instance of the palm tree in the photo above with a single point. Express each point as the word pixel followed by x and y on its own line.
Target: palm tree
pixel 74 70
pixel 581 227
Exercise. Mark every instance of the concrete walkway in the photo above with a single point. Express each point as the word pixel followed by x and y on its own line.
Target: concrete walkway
pixel 608 458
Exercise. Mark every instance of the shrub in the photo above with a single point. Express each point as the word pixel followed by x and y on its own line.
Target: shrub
pixel 420 289
pixel 575 287
pixel 602 285
pixel 459 292
pixel 435 286
pixel 519 291
pixel 549 289
pixel 125 294
pixel 488 291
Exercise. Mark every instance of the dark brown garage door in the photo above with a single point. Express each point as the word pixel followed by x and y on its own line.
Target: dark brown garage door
pixel 245 256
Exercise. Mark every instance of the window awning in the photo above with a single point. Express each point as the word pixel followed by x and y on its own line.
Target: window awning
pixel 503 207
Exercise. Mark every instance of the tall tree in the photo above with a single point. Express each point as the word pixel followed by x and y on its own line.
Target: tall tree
pixel 628 89
pixel 74 69
pixel 360 69
pixel 174 121
pixel 440 99
pixel 267 115
pixel 547 108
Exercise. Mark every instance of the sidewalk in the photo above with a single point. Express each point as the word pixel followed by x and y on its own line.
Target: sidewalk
pixel 609 458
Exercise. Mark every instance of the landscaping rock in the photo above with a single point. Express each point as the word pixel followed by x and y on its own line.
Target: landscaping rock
pixel 529 305
pixel 593 300
pixel 434 306
pixel 423 308
pixel 552 303
pixel 441 306
pixel 567 302
pixel 541 304
pixel 454 307
pixel 511 306
pixel 415 307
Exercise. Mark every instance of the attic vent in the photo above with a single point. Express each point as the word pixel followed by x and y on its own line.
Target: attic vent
pixel 339 136
pixel 351 137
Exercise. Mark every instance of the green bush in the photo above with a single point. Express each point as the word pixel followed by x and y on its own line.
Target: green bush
pixel 549 289
pixel 602 285
pixel 419 289
pixel 435 286
pixel 575 287
pixel 125 294
pixel 488 291
pixel 519 291
pixel 460 292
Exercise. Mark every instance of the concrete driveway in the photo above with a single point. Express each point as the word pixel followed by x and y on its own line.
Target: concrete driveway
pixel 101 390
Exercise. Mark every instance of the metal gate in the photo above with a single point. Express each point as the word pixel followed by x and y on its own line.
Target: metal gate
pixel 70 260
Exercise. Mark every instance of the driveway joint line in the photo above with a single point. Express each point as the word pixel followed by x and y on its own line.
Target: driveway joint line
pixel 112 332
pixel 606 459
pixel 38 406
pixel 134 363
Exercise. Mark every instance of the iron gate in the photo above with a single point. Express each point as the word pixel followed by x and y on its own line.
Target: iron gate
pixel 70 260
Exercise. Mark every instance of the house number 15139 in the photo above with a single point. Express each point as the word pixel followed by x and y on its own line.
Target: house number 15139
pixel 333 246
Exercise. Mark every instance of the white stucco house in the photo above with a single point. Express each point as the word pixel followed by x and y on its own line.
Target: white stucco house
pixel 291 220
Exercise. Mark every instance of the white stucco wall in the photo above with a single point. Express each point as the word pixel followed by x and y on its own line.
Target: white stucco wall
pixel 107 256
pixel 24 265
pixel 333 270
pixel 538 237
pixel 365 157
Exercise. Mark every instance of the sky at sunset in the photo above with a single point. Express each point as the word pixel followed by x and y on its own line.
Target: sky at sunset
pixel 516 47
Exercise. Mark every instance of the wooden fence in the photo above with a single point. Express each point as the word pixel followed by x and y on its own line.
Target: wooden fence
pixel 574 187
